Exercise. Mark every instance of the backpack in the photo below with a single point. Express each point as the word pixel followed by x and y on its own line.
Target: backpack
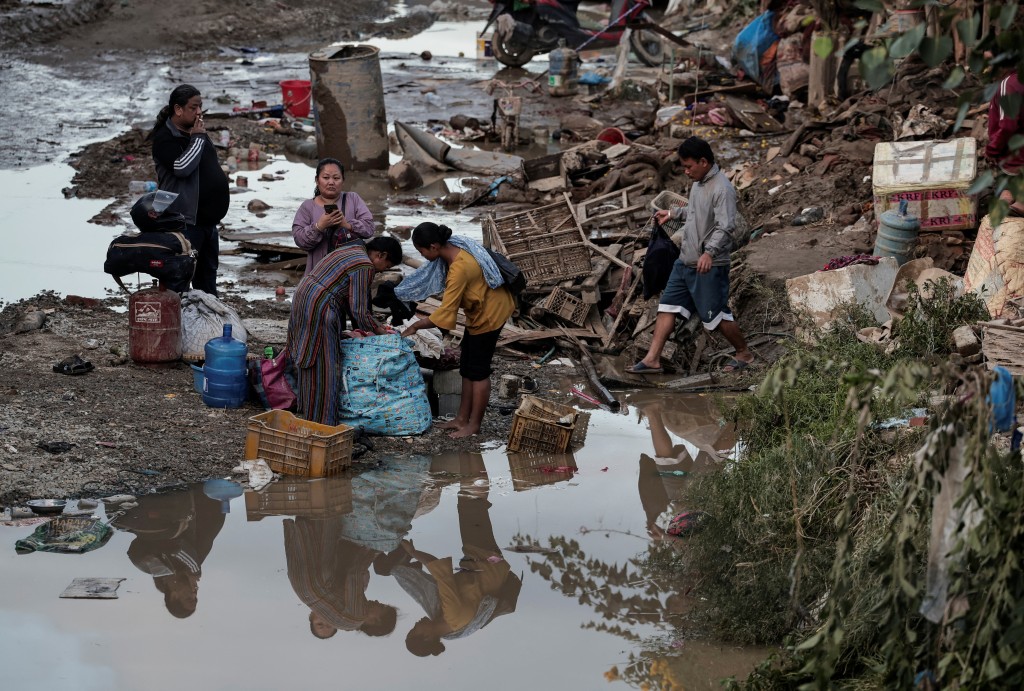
pixel 511 274
pixel 164 256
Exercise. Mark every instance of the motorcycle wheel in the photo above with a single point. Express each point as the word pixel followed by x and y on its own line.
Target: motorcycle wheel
pixel 648 46
pixel 509 56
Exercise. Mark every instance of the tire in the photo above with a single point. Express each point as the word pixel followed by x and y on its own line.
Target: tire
pixel 509 56
pixel 648 46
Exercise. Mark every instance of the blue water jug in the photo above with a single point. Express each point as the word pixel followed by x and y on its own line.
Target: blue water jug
pixel 897 234
pixel 225 382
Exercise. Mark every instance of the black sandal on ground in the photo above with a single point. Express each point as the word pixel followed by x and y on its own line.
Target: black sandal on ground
pixel 73 365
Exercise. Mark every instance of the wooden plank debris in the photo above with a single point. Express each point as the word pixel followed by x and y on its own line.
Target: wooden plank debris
pixel 1003 346
pixel 751 114
pixel 92 589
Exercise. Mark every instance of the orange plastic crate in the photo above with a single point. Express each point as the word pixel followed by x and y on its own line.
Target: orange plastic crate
pixel 293 446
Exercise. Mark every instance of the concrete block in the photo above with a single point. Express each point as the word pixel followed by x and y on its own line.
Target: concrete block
pixel 448 382
pixel 820 293
pixel 966 341
pixel 448 404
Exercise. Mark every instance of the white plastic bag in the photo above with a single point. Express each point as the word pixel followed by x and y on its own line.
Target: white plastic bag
pixel 203 317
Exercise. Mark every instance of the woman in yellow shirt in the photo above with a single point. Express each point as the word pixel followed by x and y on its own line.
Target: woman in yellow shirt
pixel 486 309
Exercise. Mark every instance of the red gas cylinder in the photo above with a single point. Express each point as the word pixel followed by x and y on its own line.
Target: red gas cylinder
pixel 154 325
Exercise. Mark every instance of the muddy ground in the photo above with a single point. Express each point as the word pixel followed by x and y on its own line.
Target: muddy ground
pixel 129 428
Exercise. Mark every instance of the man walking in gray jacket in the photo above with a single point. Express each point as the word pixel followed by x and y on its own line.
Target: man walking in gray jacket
pixel 699 283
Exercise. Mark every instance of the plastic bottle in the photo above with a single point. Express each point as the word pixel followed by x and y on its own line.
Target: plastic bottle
pixel 226 384
pixel 562 74
pixel 140 187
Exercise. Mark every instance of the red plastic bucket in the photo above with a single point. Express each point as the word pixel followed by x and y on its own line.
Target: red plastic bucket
pixel 295 93
pixel 612 135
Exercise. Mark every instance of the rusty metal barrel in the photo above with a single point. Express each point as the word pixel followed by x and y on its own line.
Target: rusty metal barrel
pixel 348 106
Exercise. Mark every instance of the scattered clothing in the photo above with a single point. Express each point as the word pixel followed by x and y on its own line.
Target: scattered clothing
pixel 1002 127
pixel 430 278
pixel 66 535
pixel 849 260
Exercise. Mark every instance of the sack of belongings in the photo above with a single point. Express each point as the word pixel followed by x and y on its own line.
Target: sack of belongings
pixel 383 390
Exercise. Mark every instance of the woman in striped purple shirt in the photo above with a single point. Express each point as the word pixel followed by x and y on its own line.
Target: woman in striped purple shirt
pixel 336 288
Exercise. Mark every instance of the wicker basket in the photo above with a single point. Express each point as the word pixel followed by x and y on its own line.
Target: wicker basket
pixel 537 426
pixel 567 306
pixel 315 498
pixel 546 243
pixel 292 446
pixel 549 266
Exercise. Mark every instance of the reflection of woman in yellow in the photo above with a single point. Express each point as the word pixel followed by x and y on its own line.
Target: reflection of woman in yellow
pixel 459 600
pixel 330 575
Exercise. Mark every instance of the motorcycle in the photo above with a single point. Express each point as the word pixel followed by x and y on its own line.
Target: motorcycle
pixel 531 27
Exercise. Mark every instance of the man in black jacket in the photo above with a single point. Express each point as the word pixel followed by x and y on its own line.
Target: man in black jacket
pixel 186 163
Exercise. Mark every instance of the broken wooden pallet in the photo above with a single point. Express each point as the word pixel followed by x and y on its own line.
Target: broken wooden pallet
pixel 1003 346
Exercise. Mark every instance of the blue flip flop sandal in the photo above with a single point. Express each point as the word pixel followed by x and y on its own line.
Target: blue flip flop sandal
pixel 642 368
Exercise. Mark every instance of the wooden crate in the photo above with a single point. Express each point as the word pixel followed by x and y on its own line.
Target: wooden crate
pixel 312 498
pixel 622 207
pixel 554 265
pixel 293 446
pixel 542 426
pixel 567 306
pixel 546 243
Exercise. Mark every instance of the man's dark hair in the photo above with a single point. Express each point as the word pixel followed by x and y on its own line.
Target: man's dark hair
pixel 391 248
pixel 696 148
pixel 180 96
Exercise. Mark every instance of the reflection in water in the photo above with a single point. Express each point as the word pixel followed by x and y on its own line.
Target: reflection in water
pixel 536 470
pixel 663 476
pixel 174 533
pixel 330 575
pixel 329 557
pixel 408 559
pixel 459 601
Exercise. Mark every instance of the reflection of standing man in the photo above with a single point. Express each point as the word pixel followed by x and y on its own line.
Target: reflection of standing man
pixel 174 534
pixel 460 600
pixel 186 163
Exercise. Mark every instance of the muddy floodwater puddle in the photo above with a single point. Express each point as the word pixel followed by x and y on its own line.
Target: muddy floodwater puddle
pixel 470 569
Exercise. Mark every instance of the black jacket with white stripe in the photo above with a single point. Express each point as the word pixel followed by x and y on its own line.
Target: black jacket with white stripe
pixel 188 165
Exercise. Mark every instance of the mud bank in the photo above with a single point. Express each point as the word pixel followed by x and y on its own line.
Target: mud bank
pixel 132 428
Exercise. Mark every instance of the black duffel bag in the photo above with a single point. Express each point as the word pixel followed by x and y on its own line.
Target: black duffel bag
pixel 164 256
